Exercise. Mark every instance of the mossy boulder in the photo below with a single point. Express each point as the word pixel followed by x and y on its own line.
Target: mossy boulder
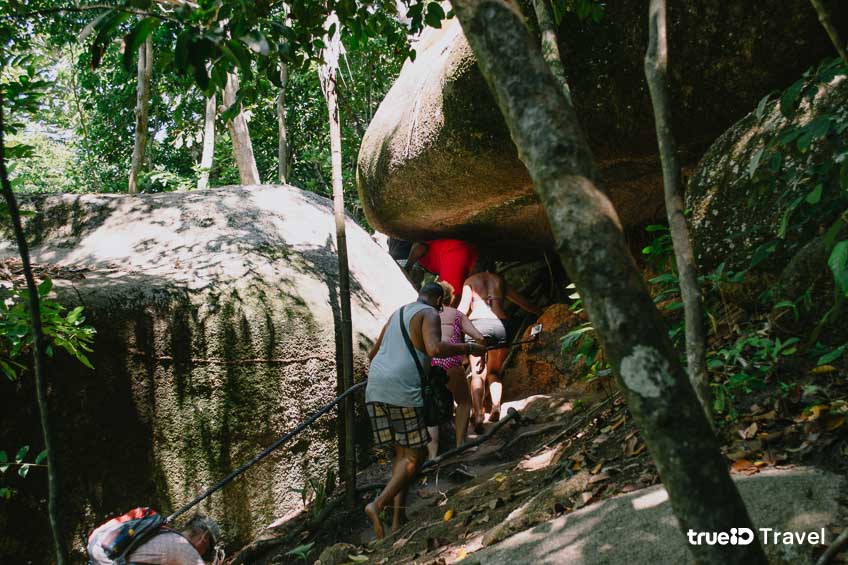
pixel 216 314
pixel 774 183
pixel 437 159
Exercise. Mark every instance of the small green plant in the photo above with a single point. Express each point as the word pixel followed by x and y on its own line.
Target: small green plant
pixel 316 492
pixel 302 551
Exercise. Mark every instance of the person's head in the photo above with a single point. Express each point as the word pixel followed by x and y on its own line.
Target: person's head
pixel 204 534
pixel 483 264
pixel 447 292
pixel 432 294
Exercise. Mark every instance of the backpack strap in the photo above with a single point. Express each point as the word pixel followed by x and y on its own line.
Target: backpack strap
pixel 411 347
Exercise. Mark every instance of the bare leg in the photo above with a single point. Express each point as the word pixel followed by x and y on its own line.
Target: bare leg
pixel 403 471
pixel 433 446
pixel 478 393
pixel 493 378
pixel 458 385
pixel 399 513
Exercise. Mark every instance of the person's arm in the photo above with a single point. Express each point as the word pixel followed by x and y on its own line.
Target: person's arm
pixel 514 296
pixel 378 343
pixel 416 252
pixel 469 329
pixel 431 333
pixel 465 302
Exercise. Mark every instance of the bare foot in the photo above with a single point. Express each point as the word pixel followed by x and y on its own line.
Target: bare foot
pixel 374 516
pixel 479 429
pixel 495 415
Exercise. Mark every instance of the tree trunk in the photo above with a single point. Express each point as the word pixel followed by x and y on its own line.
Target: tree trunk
pixel 591 244
pixel 240 135
pixel 550 44
pixel 34 304
pixel 283 144
pixel 656 66
pixel 142 104
pixel 827 24
pixel 208 155
pixel 327 73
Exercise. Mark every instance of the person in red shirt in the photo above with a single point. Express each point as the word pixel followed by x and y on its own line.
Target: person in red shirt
pixel 450 259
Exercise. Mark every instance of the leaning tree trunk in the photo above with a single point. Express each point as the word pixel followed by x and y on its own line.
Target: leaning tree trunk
pixel 656 65
pixel 282 141
pixel 327 74
pixel 142 104
pixel 592 247
pixel 242 147
pixel 550 44
pixel 34 304
pixel 827 24
pixel 207 156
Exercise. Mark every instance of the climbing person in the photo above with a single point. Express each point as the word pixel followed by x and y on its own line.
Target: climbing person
pixel 450 259
pixel 393 395
pixel 483 295
pixel 399 250
pixel 195 545
pixel 455 324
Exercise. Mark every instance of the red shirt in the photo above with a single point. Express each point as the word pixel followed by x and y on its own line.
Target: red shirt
pixel 451 259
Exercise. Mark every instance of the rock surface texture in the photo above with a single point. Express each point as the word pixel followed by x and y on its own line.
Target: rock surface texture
pixel 437 159
pixel 216 314
pixel 640 528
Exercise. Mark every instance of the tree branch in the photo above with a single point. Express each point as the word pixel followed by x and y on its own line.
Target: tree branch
pixel 656 72
pixel 824 18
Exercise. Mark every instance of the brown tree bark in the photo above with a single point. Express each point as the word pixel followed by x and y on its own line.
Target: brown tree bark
pixel 142 104
pixel 550 44
pixel 328 73
pixel 282 142
pixel 207 156
pixel 592 247
pixel 38 353
pixel 240 135
pixel 656 72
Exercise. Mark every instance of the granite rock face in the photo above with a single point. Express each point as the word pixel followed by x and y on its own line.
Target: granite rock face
pixel 216 313
pixel 438 161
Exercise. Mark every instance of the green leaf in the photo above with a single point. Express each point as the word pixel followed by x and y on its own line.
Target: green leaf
pixel 4 458
pixel 239 55
pixel 790 98
pixel 761 107
pixel 22 453
pixel 41 457
pixel 23 470
pixel 755 162
pixel 136 38
pixel 656 227
pixel 832 356
pixel 435 15
pixel 815 195
pixel 105 28
pixel 838 263
pixel 45 287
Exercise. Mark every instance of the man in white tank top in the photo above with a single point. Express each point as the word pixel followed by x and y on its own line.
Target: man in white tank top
pixel 393 394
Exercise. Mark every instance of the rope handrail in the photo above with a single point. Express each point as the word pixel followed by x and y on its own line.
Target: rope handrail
pixel 264 453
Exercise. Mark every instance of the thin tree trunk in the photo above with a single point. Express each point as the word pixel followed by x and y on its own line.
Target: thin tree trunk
pixel 207 156
pixel 283 145
pixel 328 72
pixel 75 91
pixel 38 350
pixel 242 147
pixel 550 44
pixel 656 71
pixel 142 104
pixel 827 24
pixel 591 244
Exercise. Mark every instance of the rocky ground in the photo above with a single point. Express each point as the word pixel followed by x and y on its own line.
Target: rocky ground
pixel 576 449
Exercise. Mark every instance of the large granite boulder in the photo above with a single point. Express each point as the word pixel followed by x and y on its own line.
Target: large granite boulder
pixel 437 159
pixel 216 313
pixel 774 183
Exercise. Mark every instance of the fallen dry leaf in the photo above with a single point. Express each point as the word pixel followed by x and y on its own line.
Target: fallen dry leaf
pixel 770 415
pixel 400 543
pixel 815 412
pixel 823 369
pixel 749 432
pixel 617 424
pixel 461 554
pixel 597 468
pixel 448 515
